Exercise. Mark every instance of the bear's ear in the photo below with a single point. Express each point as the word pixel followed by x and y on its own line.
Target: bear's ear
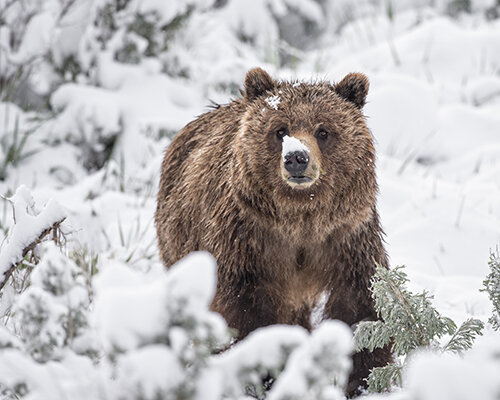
pixel 354 87
pixel 257 82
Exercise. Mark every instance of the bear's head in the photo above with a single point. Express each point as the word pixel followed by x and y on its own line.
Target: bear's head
pixel 304 149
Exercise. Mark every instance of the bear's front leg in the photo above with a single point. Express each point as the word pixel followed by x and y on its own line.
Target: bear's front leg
pixel 362 363
pixel 351 297
pixel 246 304
pixel 347 306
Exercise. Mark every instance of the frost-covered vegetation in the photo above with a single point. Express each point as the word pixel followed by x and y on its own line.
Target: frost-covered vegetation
pixel 92 91
pixel 492 287
pixel 409 322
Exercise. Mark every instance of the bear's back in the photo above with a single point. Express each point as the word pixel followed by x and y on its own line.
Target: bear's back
pixel 197 159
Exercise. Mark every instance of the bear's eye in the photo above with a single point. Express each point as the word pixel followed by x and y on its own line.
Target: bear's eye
pixel 322 134
pixel 281 133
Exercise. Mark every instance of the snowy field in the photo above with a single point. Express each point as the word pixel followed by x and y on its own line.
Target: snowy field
pixel 93 91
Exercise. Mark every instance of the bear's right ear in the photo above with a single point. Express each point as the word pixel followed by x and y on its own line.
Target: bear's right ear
pixel 354 87
pixel 257 82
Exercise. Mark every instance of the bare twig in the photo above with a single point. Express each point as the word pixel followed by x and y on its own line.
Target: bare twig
pixel 5 7
pixel 66 7
pixel 54 229
pixel 459 216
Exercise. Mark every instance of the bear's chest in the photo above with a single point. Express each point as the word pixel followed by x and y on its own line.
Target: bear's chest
pixel 304 272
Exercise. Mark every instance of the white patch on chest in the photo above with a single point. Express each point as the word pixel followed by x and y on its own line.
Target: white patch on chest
pixel 318 312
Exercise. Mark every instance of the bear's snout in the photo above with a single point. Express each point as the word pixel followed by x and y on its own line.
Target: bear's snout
pixel 300 161
pixel 296 163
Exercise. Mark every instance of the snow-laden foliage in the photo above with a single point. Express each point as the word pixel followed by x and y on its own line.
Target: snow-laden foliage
pixel 13 142
pixel 179 335
pixel 173 335
pixel 408 322
pixel 318 368
pixel 254 363
pixel 155 338
pixel 434 376
pixel 31 227
pixel 52 313
pixel 492 287
pixel 147 337
pixel 92 91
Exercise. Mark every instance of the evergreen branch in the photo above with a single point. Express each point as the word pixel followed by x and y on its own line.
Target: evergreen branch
pixel 401 311
pixel 371 335
pixel 464 336
pixel 492 287
pixel 408 321
pixel 406 306
pixel 382 378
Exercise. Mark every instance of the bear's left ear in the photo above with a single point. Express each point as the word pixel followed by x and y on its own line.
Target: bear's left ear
pixel 257 82
pixel 354 87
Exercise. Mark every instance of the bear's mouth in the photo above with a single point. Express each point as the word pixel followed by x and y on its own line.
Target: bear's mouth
pixel 299 179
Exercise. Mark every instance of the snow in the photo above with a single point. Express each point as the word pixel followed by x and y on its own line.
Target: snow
pixel 160 372
pixel 433 109
pixel 29 225
pixel 403 116
pixel 253 21
pixel 262 347
pixel 188 288
pixel 273 101
pixel 309 9
pixel 10 116
pixel 7 340
pixel 292 144
pixel 322 359
pixel 446 377
pixel 57 293
pixel 317 314
pixel 126 296
pixel 37 38
pixel 264 351
pixel 168 13
pixel 88 109
pixel 52 380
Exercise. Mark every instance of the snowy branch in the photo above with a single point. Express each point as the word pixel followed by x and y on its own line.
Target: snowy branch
pixel 30 229
pixel 54 229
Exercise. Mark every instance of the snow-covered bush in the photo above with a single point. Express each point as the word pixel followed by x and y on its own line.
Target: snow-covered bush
pixel 52 313
pixel 91 93
pixel 319 368
pixel 155 338
pixel 167 349
pixel 433 375
pixel 252 364
pixel 31 226
pixel 13 142
pixel 408 322
pixel 163 324
pixel 124 49
pixel 492 287
pixel 36 40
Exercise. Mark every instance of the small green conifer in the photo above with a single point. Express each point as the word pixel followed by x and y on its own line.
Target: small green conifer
pixel 408 321
pixel 492 287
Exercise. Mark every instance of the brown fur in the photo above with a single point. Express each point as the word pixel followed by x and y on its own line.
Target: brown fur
pixel 279 246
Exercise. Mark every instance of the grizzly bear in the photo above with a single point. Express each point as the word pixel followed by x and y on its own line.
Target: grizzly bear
pixel 279 185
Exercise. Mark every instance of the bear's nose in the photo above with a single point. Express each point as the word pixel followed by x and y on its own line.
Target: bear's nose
pixel 296 162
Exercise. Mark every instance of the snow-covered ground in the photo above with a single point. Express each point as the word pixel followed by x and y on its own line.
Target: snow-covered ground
pixel 96 148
